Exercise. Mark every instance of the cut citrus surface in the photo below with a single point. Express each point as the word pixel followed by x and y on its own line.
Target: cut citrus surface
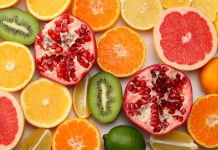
pixel 209 7
pixel 99 14
pixel 39 139
pixel 76 134
pixel 11 121
pixel 185 38
pixel 80 98
pixel 216 24
pixel 47 9
pixel 203 121
pixel 121 52
pixel 175 3
pixel 175 140
pixel 16 66
pixel 7 3
pixel 141 14
pixel 208 76
pixel 45 103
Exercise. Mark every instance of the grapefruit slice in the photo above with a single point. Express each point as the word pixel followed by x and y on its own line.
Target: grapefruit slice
pixel 11 121
pixel 185 38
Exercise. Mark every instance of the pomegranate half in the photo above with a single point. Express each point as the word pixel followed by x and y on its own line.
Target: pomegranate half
pixel 65 50
pixel 158 99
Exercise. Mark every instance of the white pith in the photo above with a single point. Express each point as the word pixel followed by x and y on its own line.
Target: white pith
pixel 97 7
pixel 120 50
pixel 9 66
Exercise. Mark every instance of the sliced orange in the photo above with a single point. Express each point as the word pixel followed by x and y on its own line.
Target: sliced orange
pixel 7 3
pixel 121 52
pixel 76 134
pixel 47 9
pixel 203 121
pixel 45 103
pixel 16 66
pixel 99 14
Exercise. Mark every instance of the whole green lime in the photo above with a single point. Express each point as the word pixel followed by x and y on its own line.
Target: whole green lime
pixel 124 138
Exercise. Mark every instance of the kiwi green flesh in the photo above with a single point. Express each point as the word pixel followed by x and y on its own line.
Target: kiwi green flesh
pixel 104 97
pixel 18 26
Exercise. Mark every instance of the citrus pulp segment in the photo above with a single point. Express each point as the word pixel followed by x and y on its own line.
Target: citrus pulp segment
pixel 175 3
pixel 185 38
pixel 16 66
pixel 45 103
pixel 121 52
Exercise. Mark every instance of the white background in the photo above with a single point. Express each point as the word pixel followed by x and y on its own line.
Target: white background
pixel 151 58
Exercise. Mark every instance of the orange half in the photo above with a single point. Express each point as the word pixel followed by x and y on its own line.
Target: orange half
pixel 7 3
pixel 99 14
pixel 203 121
pixel 121 52
pixel 76 134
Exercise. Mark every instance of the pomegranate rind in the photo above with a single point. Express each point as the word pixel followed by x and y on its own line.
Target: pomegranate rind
pixel 157 39
pixel 147 128
pixel 20 118
pixel 93 48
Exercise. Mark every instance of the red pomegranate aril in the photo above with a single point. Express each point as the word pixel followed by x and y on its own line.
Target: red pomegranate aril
pixel 157 67
pixel 178 118
pixel 59 50
pixel 86 65
pixel 135 90
pixel 154 106
pixel 50 32
pixel 131 87
pixel 83 26
pixel 82 31
pixel 63 64
pixel 183 111
pixel 137 83
pixel 65 16
pixel 160 95
pixel 58 23
pixel 90 58
pixel 165 69
pixel 148 90
pixel 142 91
pixel 142 83
pixel 157 129
pixel 154 111
pixel 54 46
pixel 86 38
pixel 153 99
pixel 39 61
pixel 71 20
pixel 64 29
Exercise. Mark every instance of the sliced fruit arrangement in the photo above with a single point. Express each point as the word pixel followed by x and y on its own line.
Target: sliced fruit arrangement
pixel 47 10
pixel 208 76
pixel 45 103
pixel 185 38
pixel 203 121
pixel 209 7
pixel 99 14
pixel 11 121
pixel 18 26
pixel 175 3
pixel 80 100
pixel 38 139
pixel 216 24
pixel 158 99
pixel 104 97
pixel 176 140
pixel 124 137
pixel 16 66
pixel 141 14
pixel 77 133
pixel 65 50
pixel 121 52
pixel 8 3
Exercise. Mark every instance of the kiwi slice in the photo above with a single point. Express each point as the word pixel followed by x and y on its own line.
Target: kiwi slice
pixel 104 97
pixel 18 26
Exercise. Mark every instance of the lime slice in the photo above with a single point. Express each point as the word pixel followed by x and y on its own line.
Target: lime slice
pixel 175 3
pixel 175 140
pixel 38 140
pixel 209 7
pixel 80 98
pixel 141 14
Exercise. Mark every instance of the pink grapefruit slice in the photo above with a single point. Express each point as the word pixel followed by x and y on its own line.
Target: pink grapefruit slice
pixel 11 121
pixel 185 38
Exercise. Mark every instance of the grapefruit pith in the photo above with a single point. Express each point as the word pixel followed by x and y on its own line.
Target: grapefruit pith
pixel 185 38
pixel 11 121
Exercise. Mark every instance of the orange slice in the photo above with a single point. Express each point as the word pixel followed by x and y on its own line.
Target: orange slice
pixel 7 3
pixel 16 66
pixel 76 134
pixel 99 14
pixel 121 52
pixel 203 121
pixel 45 103
pixel 47 9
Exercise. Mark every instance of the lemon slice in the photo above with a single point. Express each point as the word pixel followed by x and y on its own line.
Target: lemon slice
pixel 209 7
pixel 175 140
pixel 80 98
pixel 141 14
pixel 175 3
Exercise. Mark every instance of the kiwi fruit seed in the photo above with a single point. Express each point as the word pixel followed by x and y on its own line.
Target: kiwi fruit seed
pixel 18 26
pixel 104 97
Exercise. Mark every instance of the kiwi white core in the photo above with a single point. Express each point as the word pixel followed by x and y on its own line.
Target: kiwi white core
pixel 15 26
pixel 104 96
pixel 212 120
pixel 45 102
pixel 10 65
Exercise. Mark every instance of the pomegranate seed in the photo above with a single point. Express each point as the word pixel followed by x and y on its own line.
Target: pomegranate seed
pixel 159 81
pixel 157 67
pixel 183 111
pixel 54 62
pixel 72 74
pixel 172 96
pixel 154 111
pixel 155 123
pixel 54 46
pixel 142 91
pixel 58 23
pixel 131 87
pixel 178 118
pixel 64 29
pixel 160 110
pixel 165 123
pixel 142 83
pixel 144 102
pixel 184 80
pixel 72 48
pixel 75 79
pixel 148 90
pixel 153 73
pixel 146 97
pixel 59 50
pixel 135 90
pixel 77 44
pixel 50 32
pixel 181 99
pixel 135 79
pixel 83 26
pixel 155 118
pixel 154 106
pixel 41 69
pixel 39 61
pixel 86 38
pixel 160 95
pixel 157 129
pixel 86 65
pixel 90 58
pixel 70 20
pixel 82 31
pixel 165 69
pixel 172 111
pixel 78 33
pixel 153 99
pixel 65 16
pixel 137 83
pixel 63 64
